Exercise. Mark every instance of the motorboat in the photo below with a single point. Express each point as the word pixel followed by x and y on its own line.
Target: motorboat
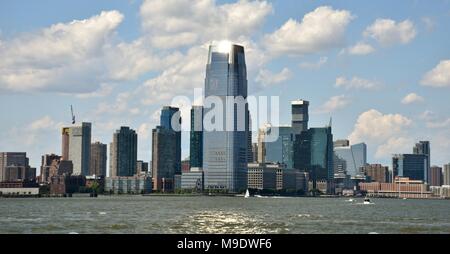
pixel 367 201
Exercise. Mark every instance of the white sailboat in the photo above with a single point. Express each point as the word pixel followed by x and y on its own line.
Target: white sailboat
pixel 247 194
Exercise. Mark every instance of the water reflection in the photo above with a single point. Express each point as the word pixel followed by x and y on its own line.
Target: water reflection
pixel 226 222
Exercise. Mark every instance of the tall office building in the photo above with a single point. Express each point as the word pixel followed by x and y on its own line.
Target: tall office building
pixel 142 167
pixel 171 120
pixel 280 150
pixel 341 143
pixel 76 147
pixel 300 116
pixel 98 159
pixel 355 157
pixel 15 166
pixel 196 138
pixel 225 150
pixel 436 176
pixel 423 147
pixel 446 175
pixel 165 161
pixel 254 152
pixel 48 161
pixel 413 166
pixel 377 173
pixel 123 152
pixel 313 152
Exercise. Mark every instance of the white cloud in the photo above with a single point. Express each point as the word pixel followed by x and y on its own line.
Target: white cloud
pixel 314 66
pixel 372 125
pixel 144 131
pixel 438 124
pixel 439 76
pixel 322 29
pixel 45 122
pixel 360 48
pixel 333 104
pixel 394 145
pixel 389 32
pixel 429 23
pixel 175 23
pixel 104 90
pixel 356 83
pixel 267 78
pixel 412 98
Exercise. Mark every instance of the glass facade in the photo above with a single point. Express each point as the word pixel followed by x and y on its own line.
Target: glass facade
pixel 313 151
pixel 225 151
pixel 355 157
pixel 196 138
pixel 413 166
pixel 300 116
pixel 282 150
pixel 123 152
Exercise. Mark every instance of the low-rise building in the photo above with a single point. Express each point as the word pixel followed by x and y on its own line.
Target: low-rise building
pixel 141 184
pixel 19 191
pixel 193 180
pixel 402 187
pixel 441 191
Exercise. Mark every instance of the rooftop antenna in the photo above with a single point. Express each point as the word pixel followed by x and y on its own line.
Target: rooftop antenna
pixel 73 116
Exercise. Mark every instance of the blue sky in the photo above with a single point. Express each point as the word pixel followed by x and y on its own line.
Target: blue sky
pixel 380 69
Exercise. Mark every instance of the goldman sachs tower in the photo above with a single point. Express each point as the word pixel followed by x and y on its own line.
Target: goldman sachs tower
pixel 225 151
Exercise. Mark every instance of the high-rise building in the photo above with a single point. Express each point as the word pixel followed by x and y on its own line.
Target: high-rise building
pixel 413 166
pixel 165 162
pixel 377 173
pixel 48 161
pixel 355 157
pixel 141 167
pixel 123 153
pixel 196 138
pixel 15 166
pixel 280 150
pixel 436 176
pixel 300 116
pixel 225 149
pixel 98 159
pixel 171 120
pixel 423 147
pixel 313 153
pixel 76 147
pixel 446 174
pixel 254 152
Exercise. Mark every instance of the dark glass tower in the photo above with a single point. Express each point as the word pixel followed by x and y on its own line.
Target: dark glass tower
pixel 123 152
pixel 300 116
pixel 313 151
pixel 224 150
pixel 196 142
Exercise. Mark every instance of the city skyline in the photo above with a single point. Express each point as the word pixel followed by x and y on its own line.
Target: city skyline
pixel 371 100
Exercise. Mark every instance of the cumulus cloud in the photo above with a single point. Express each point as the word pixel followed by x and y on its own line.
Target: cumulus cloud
pixel 439 76
pixel 356 83
pixel 76 57
pixel 175 23
pixel 394 145
pixel 387 133
pixel 373 125
pixel 267 78
pixel 322 29
pixel 438 124
pixel 389 32
pixel 316 65
pixel 333 104
pixel 412 98
pixel 360 48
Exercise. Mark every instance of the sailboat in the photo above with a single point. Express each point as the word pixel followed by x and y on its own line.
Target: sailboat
pixel 247 194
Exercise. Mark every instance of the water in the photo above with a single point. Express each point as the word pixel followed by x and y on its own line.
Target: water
pixel 178 214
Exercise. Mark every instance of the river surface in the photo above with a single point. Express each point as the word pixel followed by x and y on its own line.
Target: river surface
pixel 203 214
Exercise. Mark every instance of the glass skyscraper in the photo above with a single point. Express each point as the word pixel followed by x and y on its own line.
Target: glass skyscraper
pixel 123 152
pixel 300 115
pixel 224 150
pixel 281 150
pixel 413 166
pixel 355 157
pixel 313 151
pixel 196 138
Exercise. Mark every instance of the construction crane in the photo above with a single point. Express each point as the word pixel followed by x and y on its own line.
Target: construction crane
pixel 73 116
